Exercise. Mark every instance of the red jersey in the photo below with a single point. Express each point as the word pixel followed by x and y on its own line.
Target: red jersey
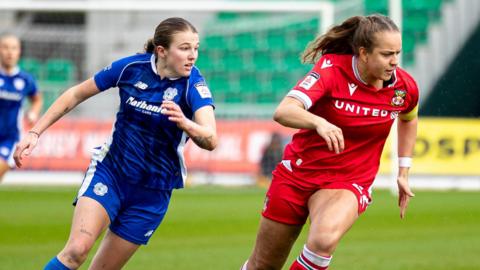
pixel 334 90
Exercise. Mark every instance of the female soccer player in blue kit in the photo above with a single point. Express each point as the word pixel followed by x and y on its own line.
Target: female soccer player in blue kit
pixel 164 100
pixel 15 85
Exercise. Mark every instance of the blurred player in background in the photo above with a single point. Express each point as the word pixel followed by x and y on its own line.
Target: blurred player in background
pixel 164 100
pixel 344 109
pixel 15 85
pixel 271 156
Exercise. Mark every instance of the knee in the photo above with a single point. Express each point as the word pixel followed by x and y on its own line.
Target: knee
pixel 324 243
pixel 75 253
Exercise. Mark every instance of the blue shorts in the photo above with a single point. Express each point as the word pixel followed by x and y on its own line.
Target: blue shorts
pixel 7 147
pixel 135 211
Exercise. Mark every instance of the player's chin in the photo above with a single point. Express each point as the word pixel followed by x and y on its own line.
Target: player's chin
pixel 185 72
pixel 387 76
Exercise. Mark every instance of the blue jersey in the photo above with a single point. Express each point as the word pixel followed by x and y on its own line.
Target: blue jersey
pixel 146 148
pixel 13 89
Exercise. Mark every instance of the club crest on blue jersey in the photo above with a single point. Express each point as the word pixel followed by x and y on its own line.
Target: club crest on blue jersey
pixel 19 84
pixel 203 90
pixel 4 151
pixel 399 97
pixel 310 80
pixel 170 93
pixel 100 189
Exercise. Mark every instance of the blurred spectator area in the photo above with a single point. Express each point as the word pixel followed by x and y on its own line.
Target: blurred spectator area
pixel 256 57
pixel 250 60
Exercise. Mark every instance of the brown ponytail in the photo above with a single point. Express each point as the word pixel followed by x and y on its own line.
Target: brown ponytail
pixel 348 37
pixel 149 46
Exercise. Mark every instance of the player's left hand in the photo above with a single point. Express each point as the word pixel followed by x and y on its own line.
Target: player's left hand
pixel 25 147
pixel 404 194
pixel 175 114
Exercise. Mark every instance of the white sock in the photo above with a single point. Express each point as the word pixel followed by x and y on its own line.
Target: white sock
pixel 316 259
pixel 244 266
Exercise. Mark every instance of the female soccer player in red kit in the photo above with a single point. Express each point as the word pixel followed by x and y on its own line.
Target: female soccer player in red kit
pixel 344 108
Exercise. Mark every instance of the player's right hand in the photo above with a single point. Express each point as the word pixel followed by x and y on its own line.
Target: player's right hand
pixel 25 147
pixel 332 135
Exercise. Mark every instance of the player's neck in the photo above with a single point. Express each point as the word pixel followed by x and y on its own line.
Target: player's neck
pixel 367 78
pixel 9 70
pixel 164 72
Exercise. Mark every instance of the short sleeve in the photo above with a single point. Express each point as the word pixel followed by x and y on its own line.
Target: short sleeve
pixel 110 75
pixel 411 110
pixel 312 87
pixel 199 94
pixel 32 89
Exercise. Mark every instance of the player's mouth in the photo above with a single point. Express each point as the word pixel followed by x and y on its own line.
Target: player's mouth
pixel 188 66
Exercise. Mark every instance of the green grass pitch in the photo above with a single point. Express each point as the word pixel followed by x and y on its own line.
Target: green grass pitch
pixel 215 227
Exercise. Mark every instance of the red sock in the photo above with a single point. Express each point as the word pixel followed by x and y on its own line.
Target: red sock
pixel 310 261
pixel 302 263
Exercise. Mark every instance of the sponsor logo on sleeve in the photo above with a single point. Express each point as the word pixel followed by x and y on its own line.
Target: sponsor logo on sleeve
pixel 310 80
pixel 203 90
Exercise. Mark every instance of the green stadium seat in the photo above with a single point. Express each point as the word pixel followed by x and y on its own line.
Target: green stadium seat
pixel 277 39
pixel 59 70
pixel 32 66
pixel 217 42
pixel 247 41
pixel 264 61
pixel 376 6
pixel 51 91
pixel 206 60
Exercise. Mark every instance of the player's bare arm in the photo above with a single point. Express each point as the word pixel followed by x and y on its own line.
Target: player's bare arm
pixel 36 102
pixel 407 132
pixel 291 113
pixel 65 103
pixel 202 130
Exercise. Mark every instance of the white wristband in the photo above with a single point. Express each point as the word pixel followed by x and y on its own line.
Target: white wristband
pixel 405 162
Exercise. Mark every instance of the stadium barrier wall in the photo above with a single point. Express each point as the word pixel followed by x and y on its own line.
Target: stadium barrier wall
pixel 443 147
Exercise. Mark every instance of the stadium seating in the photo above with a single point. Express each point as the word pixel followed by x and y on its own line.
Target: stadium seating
pixel 418 15
pixel 260 66
pixel 53 76
pixel 59 70
pixel 32 66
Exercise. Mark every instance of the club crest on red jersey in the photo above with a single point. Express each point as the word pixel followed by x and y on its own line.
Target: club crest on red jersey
pixel 399 97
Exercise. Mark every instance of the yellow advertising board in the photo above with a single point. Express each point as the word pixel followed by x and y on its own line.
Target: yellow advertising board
pixel 444 146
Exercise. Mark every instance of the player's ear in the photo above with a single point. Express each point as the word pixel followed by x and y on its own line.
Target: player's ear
pixel 362 54
pixel 160 51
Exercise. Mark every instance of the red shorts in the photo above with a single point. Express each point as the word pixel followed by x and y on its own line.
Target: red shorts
pixel 286 200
